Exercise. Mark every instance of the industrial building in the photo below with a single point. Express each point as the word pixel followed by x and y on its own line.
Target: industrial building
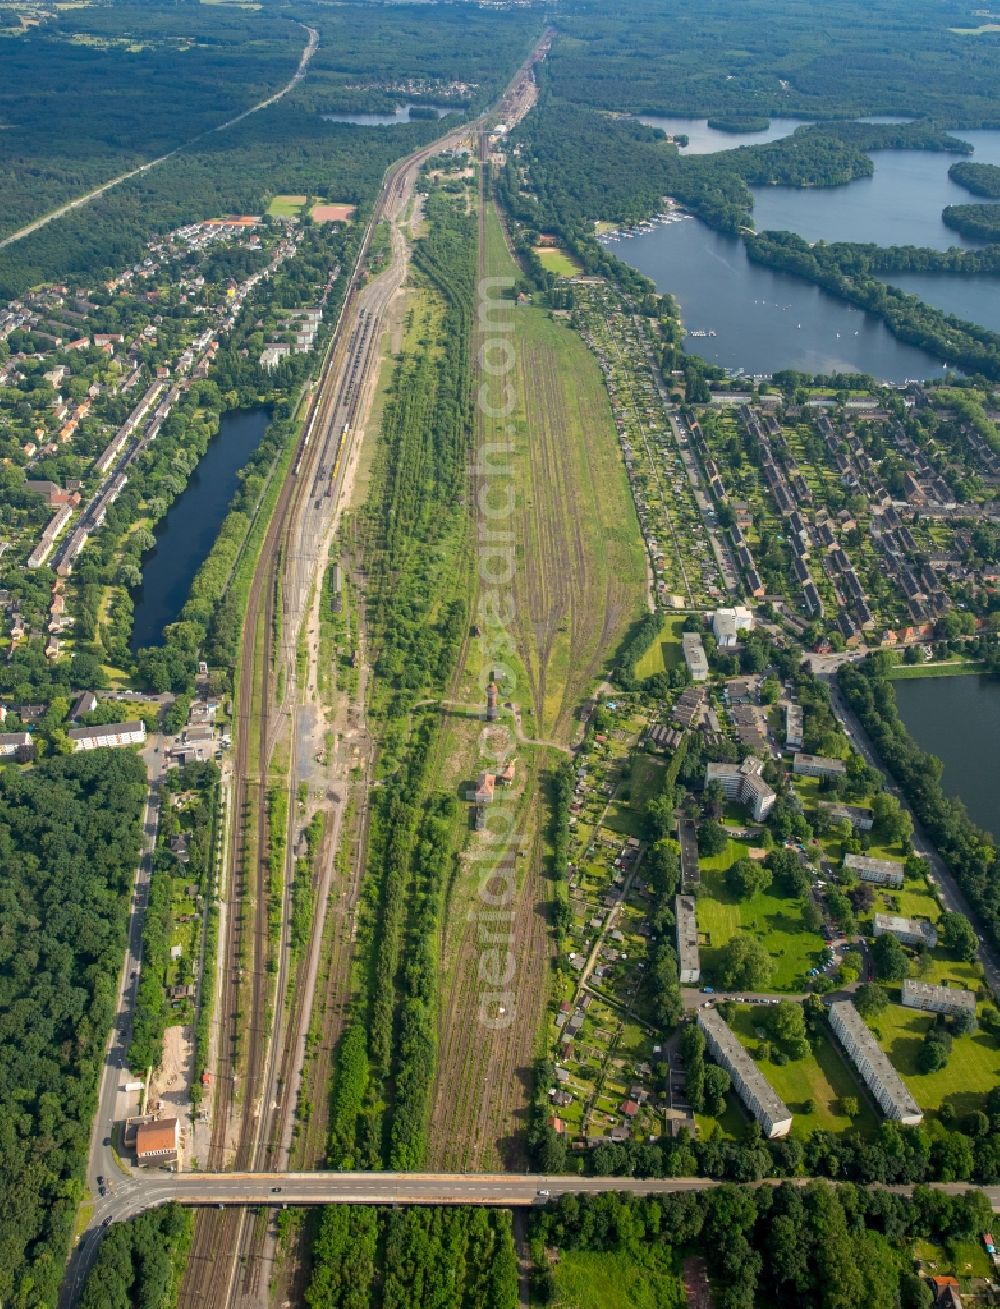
pixel 157 1142
pixel 744 784
pixel 750 1084
pixel 687 940
pixel 911 931
pixel 881 872
pixel 873 1064
pixel 938 999
pixel 694 656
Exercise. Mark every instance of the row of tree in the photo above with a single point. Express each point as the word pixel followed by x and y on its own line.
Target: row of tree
pixel 970 852
pixel 413 1259
pixel 814 1247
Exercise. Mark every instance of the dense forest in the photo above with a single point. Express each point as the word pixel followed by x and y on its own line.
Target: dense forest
pixel 289 148
pixel 92 91
pixel 977 222
pixel 140 1263
pixel 413 1259
pixel 586 165
pixel 980 179
pixel 813 1247
pixel 69 840
pixel 842 59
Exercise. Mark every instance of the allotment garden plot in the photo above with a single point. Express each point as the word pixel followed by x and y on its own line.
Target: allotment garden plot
pixel 681 555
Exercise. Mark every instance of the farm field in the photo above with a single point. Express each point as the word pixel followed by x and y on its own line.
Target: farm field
pixel 580 578
pixel 774 919
pixel 972 1070
pixel 823 1077
pixel 558 261
pixel 665 652
pixel 588 1279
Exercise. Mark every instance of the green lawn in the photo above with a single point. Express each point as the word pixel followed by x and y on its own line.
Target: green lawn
pixel 955 667
pixel 665 651
pixel 822 1076
pixel 558 261
pixel 286 206
pixel 646 779
pixel 972 1070
pixel 589 1279
pixel 775 919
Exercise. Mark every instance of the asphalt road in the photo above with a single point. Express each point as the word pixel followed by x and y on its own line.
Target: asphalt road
pixel 499 1190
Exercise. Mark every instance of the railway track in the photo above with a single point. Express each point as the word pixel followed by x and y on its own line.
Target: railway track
pixel 248 1116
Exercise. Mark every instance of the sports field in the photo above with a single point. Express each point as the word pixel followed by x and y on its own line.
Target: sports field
pixel 332 213
pixel 286 206
pixel 558 261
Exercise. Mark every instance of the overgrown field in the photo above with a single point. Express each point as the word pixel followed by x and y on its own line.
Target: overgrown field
pixel 580 569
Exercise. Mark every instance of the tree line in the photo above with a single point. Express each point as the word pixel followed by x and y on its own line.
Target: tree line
pixel 970 853
pixel 413 1258
pixel 69 842
pixel 811 1247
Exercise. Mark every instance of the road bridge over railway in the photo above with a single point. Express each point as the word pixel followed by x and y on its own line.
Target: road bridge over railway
pixel 499 1190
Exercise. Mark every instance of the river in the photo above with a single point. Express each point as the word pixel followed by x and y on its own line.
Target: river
pixel 764 320
pixel 402 115
pixel 958 719
pixel 187 531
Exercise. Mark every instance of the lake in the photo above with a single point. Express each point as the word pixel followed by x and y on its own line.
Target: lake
pixel 402 115
pixel 187 531
pixel 705 140
pixel 764 320
pixel 900 204
pixel 958 719
pixel 974 298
